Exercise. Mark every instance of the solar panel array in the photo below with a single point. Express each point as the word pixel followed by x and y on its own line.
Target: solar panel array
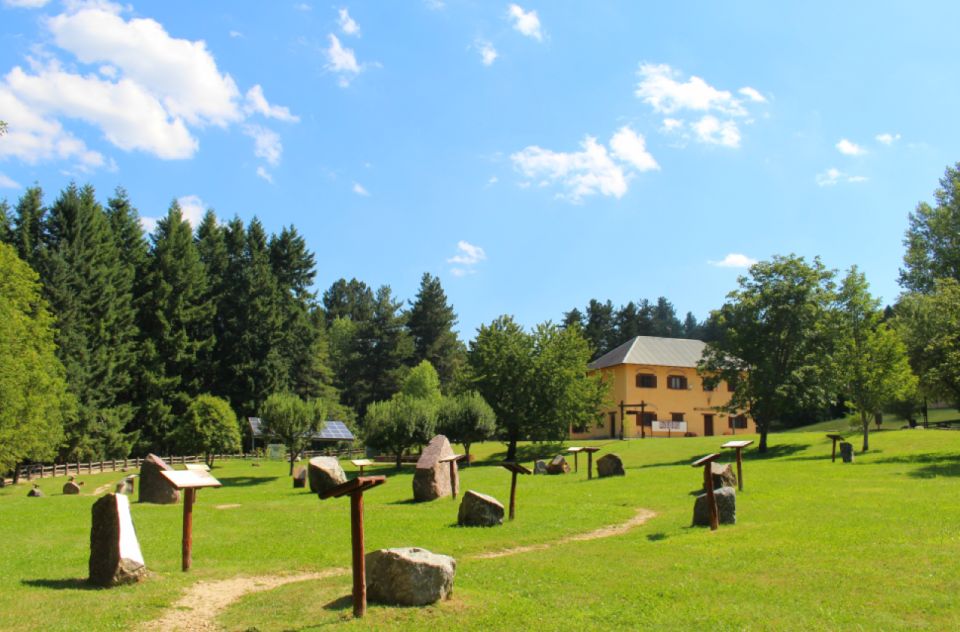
pixel 255 426
pixel 334 431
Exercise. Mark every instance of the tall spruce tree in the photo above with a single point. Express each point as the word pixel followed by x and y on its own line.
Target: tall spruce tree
pixel 90 292
pixel 28 226
pixel 6 223
pixel 212 248
pixel 174 326
pixel 430 321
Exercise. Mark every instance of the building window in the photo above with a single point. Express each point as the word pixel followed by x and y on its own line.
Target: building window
pixel 646 380
pixel 676 416
pixel 739 421
pixel 731 387
pixel 649 418
pixel 707 387
pixel 677 382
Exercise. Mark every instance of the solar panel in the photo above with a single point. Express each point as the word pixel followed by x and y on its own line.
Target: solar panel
pixel 255 426
pixel 335 431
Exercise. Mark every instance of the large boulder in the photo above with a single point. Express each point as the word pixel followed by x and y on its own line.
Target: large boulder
pixel 324 472
pixel 846 452
pixel 540 467
pixel 610 465
pixel 432 478
pixel 35 492
pixel 726 507
pixel 115 556
pixel 479 510
pixel 409 576
pixel 154 488
pixel 723 475
pixel 300 477
pixel 558 465
pixel 71 488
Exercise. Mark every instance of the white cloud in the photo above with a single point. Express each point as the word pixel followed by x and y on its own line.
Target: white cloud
pixel 434 5
pixel 257 103
pixel 26 4
pixel 734 260
pixel 264 174
pixel 149 224
pixel 630 147
pixel 752 94
pixel 666 91
pixel 834 176
pixel 193 209
pixel 849 148
pixel 7 182
pixel 488 54
pixel 713 131
pixel 526 22
pixel 342 61
pixel 468 256
pixel 887 138
pixel 266 143
pixel 302 6
pixel 359 190
pixel 235 34
pixel 348 25
pixel 492 181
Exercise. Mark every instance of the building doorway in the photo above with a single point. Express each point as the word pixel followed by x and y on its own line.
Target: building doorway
pixel 708 425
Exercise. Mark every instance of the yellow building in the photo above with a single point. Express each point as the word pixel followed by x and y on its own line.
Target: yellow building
pixel 656 391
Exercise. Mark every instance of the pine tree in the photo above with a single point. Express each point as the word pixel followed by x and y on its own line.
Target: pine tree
pixel 6 223
pixel 386 349
pixel 430 321
pixel 28 226
pixel 89 290
pixel 212 248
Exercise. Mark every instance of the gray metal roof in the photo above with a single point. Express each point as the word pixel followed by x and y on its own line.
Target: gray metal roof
pixel 678 352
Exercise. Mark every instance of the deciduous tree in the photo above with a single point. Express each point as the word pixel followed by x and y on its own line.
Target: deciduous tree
pixel 466 419
pixel 291 421
pixel 209 426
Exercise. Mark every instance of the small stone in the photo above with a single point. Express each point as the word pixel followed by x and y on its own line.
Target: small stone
pixel 431 480
pixel 723 475
pixel 558 465
pixel 324 472
pixel 610 465
pixel 300 477
pixel 71 488
pixel 479 510
pixel 115 556
pixel 726 507
pixel 540 467
pixel 154 488
pixel 409 576
pixel 35 492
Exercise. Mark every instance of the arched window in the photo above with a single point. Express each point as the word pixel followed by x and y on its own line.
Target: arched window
pixel 646 380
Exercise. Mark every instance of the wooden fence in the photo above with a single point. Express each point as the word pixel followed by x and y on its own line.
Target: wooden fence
pixel 31 471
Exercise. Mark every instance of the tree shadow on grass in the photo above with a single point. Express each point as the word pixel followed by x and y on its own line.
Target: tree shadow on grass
pixel 246 481
pixel 67 583
pixel 656 537
pixel 729 456
pixel 340 603
pixel 531 452
pixel 933 464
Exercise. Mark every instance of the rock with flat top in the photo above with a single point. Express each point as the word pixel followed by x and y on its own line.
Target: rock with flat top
pixel 558 465
pixel 409 576
pixel 154 488
pixel 35 492
pixel 324 472
pixel 610 465
pixel 723 475
pixel 300 477
pixel 71 488
pixel 479 510
pixel 726 507
pixel 431 480
pixel 115 556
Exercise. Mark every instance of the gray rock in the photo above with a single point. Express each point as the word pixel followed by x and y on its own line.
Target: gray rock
pixel 726 507
pixel 479 510
pixel 610 465
pixel 154 488
pixel 115 556
pixel 71 488
pixel 409 576
pixel 723 475
pixel 324 472
pixel 300 477
pixel 128 484
pixel 540 467
pixel 846 452
pixel 35 492
pixel 558 465
pixel 431 480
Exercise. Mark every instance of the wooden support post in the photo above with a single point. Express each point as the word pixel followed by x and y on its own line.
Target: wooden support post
pixel 711 498
pixel 359 562
pixel 738 446
pixel 576 462
pixel 453 479
pixel 513 494
pixel 186 550
pixel 835 438
pixel 590 465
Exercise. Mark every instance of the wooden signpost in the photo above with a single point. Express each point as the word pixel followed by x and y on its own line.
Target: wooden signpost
pixel 590 452
pixel 452 460
pixel 189 481
pixel 361 463
pixel 708 487
pixel 739 446
pixel 575 451
pixel 515 468
pixel 835 437
pixel 355 489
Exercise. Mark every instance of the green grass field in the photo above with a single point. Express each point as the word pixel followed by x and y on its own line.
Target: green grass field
pixel 818 545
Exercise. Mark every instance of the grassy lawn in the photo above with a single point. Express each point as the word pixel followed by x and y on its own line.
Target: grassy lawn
pixel 872 545
pixel 851 423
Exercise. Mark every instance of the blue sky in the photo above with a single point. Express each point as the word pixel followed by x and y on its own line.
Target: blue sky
pixel 533 155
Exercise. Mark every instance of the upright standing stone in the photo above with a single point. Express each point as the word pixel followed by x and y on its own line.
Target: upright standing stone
pixel 558 465
pixel 409 576
pixel 324 472
pixel 432 478
pixel 154 488
pixel 846 452
pixel 723 475
pixel 115 556
pixel 479 510
pixel 610 465
pixel 726 507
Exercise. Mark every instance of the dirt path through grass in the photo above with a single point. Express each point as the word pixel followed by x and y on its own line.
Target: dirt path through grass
pixel 603 532
pixel 198 608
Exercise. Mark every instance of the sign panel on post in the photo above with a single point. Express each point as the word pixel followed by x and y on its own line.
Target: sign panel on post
pixel 670 426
